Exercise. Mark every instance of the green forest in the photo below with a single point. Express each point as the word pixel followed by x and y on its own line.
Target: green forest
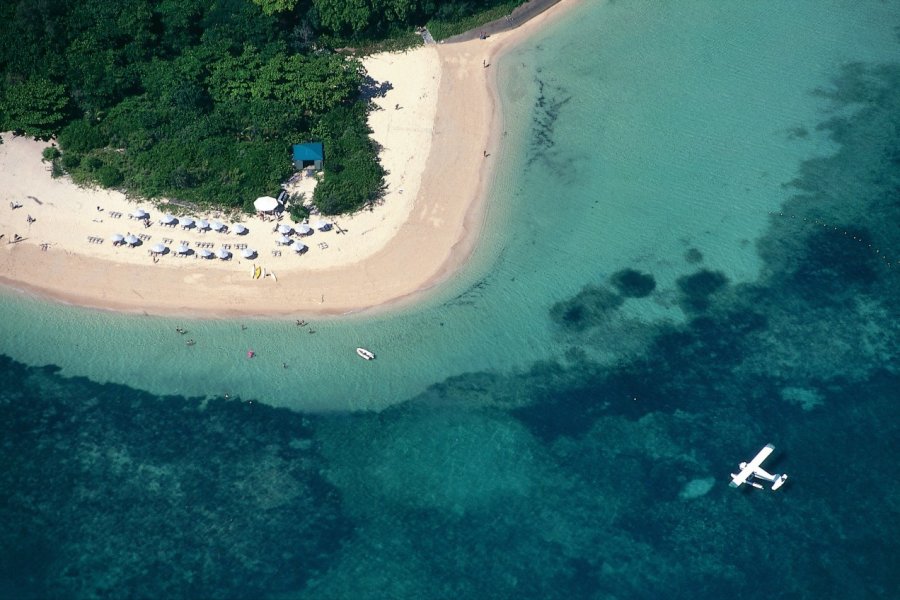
pixel 201 100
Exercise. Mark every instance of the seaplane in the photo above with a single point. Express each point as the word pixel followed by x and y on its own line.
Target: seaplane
pixel 752 472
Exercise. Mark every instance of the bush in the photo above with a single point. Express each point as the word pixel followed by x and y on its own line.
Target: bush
pixel 50 153
pixel 92 163
pixel 81 136
pixel 70 161
pixel 109 176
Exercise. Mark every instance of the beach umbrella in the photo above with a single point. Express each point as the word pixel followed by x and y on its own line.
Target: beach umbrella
pixel 202 224
pixel 239 229
pixel 303 229
pixel 187 222
pixel 283 239
pixel 284 228
pixel 216 226
pixel 265 204
pixel 132 240
pixel 117 238
pixel 248 252
pixel 158 249
pixel 140 214
pixel 166 219
pixel 205 254
pixel 223 253
pixel 323 225
pixel 182 249
pixel 299 247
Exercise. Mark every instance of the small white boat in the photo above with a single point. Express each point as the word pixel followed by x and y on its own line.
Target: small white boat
pixel 366 354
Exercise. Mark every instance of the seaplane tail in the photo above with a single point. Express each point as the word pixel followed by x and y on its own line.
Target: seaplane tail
pixel 753 471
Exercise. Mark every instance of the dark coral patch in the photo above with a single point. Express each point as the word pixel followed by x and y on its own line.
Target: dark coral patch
pixel 695 290
pixel 633 284
pixel 693 256
pixel 590 307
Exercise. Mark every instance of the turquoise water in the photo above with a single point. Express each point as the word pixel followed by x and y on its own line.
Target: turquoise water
pixel 690 250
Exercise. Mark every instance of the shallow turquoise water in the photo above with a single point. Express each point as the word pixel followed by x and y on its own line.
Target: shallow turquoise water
pixel 632 154
pixel 690 251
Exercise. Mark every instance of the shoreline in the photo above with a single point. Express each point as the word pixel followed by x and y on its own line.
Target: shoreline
pixel 424 238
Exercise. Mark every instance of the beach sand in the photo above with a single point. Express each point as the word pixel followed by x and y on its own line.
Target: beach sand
pixel 434 148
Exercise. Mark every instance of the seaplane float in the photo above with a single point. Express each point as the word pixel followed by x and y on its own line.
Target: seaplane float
pixel 366 354
pixel 752 472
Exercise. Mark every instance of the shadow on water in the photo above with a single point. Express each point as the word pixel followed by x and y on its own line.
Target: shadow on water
pixel 571 479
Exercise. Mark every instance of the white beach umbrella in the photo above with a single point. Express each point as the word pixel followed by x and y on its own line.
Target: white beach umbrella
pixel 117 238
pixel 132 240
pixel 239 229
pixel 202 224
pixel 187 222
pixel 299 247
pixel 183 249
pixel 265 203
pixel 166 219
pixel 216 226
pixel 284 228
pixel 140 214
pixel 303 229
pixel 248 252
pixel 323 225
pixel 223 253
pixel 158 249
pixel 205 253
pixel 283 239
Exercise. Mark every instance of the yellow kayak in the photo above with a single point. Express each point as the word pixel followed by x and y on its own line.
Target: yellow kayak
pixel 257 272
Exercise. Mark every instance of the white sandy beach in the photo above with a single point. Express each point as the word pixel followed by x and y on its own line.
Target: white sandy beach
pixel 425 228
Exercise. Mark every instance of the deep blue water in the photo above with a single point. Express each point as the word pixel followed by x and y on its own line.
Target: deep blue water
pixel 574 477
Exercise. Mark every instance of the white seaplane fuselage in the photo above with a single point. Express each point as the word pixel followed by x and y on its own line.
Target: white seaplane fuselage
pixel 752 472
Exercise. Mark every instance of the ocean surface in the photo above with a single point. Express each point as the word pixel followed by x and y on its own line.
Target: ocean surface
pixel 691 250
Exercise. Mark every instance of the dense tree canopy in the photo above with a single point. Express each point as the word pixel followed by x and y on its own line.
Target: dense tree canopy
pixel 34 106
pixel 200 100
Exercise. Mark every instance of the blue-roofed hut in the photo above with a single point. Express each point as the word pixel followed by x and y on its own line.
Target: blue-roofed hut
pixel 310 154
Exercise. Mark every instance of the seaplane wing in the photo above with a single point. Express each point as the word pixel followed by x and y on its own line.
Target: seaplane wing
pixel 752 467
